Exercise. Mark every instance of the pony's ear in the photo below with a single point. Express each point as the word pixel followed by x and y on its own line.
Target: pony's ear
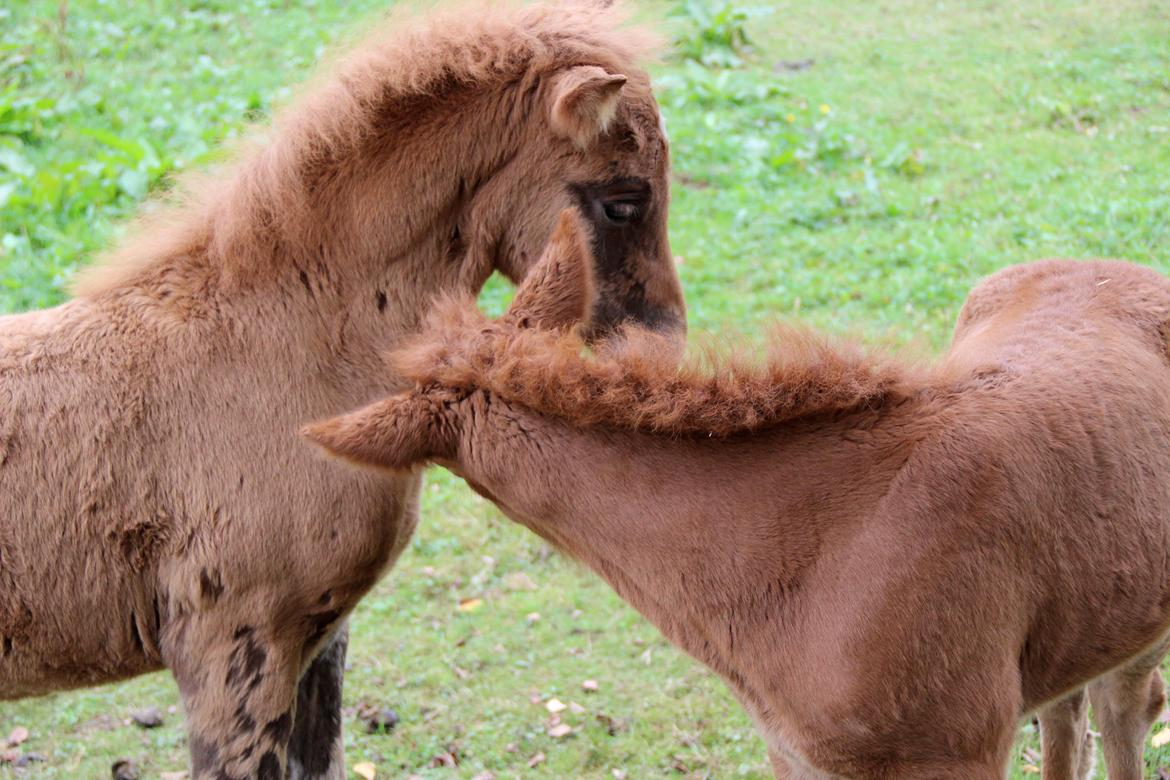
pixel 396 433
pixel 559 291
pixel 584 102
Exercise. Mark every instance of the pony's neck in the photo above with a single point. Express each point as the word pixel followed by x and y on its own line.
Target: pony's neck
pixel 710 539
pixel 397 209
pixel 360 240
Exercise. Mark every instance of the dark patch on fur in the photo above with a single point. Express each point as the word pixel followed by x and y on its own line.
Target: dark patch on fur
pixel 245 723
pixel 318 715
pixel 304 277
pixel 210 585
pixel 269 767
pixel 319 625
pixel 246 665
pixel 278 729
pixel 455 247
pixel 135 636
pixel 380 299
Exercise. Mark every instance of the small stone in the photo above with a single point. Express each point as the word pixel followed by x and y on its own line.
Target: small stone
pixel 485 776
pixel 590 686
pixel 18 735
pixel 29 758
pixel 536 760
pixel 124 769
pixel 148 718
pixel 560 730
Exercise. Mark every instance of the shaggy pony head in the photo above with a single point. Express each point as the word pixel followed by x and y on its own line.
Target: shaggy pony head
pixel 461 132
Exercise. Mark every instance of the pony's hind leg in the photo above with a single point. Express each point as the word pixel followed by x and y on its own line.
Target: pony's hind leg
pixel 316 750
pixel 238 683
pixel 1126 702
pixel 1066 742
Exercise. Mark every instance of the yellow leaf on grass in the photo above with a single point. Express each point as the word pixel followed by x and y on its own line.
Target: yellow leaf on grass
pixel 470 605
pixel 560 730
pixel 366 770
pixel 1161 739
pixel 518 580
pixel 1031 769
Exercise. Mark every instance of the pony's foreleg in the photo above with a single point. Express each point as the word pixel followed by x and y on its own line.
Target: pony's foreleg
pixel 316 750
pixel 238 682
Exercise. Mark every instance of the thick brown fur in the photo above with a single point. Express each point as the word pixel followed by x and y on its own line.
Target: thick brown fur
pixel 637 383
pixel 150 472
pixel 889 577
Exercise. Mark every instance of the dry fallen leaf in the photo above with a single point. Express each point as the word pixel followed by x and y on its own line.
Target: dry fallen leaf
pixel 174 775
pixel 485 776
pixel 18 735
pixel 518 580
pixel 1161 739
pixel 619 774
pixel 536 760
pixel 444 759
pixel 533 617
pixel 365 770
pixel 554 706
pixel 560 730
pixel 1031 769
pixel 470 605
pixel 590 686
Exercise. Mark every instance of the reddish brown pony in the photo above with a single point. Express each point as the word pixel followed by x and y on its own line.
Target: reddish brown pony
pixel 889 566
pixel 156 508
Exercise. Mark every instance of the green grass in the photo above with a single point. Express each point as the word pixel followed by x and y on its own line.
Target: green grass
pixel 926 145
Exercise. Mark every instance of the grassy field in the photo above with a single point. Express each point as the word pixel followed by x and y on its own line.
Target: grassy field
pixel 861 168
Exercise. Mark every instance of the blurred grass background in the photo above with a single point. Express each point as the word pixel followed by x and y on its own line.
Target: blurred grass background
pixel 857 164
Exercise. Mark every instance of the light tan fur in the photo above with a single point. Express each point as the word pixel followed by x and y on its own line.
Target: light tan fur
pixel 889 582
pixel 156 508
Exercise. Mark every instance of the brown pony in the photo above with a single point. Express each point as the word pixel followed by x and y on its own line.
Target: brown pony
pixel 889 566
pixel 155 507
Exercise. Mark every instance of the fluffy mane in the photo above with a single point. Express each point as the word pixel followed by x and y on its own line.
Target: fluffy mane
pixel 639 384
pixel 238 214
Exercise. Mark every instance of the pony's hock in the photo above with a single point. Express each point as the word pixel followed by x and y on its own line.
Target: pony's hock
pixel 152 474
pixel 890 566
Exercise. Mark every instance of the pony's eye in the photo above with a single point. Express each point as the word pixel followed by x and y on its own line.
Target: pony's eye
pixel 620 212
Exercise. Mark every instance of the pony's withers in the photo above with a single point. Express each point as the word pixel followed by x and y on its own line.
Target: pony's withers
pixel 149 467
pixel 889 565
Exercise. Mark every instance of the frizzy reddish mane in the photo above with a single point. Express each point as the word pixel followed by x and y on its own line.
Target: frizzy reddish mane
pixel 639 383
